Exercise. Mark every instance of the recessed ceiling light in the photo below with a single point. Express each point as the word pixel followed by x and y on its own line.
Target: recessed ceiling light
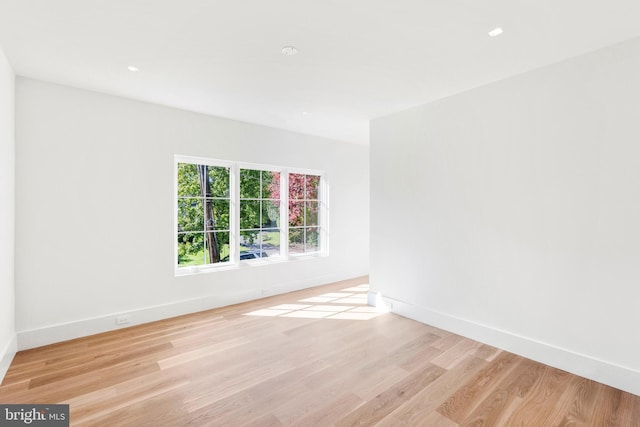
pixel 133 69
pixel 305 113
pixel 289 50
pixel 495 32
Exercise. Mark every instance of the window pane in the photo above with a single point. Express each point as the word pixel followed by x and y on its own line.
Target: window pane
pixel 220 214
pixel 312 184
pixel 296 186
pixel 204 207
pixel 270 242
pixel 270 185
pixel 312 240
pixel 249 240
pixel 296 213
pixel 190 215
pixel 249 184
pixel 249 214
pixel 190 249
pixel 296 241
pixel 259 244
pixel 188 181
pixel 270 213
pixel 218 181
pixel 312 213
pixel 219 241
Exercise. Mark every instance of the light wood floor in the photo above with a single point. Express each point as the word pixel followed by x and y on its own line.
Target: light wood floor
pixel 311 358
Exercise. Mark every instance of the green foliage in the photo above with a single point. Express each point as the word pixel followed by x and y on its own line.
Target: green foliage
pixel 189 244
pixel 304 239
pixel 257 211
pixel 188 182
pixel 191 211
pixel 201 256
pixel 312 240
pixel 250 184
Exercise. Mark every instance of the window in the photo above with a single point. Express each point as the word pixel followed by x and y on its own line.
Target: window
pixel 229 214
pixel 259 213
pixel 303 213
pixel 203 214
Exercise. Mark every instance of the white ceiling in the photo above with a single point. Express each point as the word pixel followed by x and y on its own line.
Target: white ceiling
pixel 358 59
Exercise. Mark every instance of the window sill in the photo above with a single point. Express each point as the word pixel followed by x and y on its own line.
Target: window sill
pixel 190 271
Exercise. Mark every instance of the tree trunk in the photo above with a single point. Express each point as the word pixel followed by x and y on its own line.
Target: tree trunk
pixel 209 222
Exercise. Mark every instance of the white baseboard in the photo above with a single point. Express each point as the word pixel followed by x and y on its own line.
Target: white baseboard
pixel 611 374
pixel 85 327
pixel 6 356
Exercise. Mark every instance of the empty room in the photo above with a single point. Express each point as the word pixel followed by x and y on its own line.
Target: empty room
pixel 317 213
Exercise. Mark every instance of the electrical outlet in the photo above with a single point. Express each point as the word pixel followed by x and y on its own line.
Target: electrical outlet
pixel 123 320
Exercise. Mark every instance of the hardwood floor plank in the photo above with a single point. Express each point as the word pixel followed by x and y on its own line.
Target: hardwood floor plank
pixel 452 356
pixel 418 357
pixel 68 388
pixel 200 352
pixel 578 402
pixel 538 407
pixel 434 419
pixel 487 352
pixel 447 341
pixel 110 404
pixel 96 364
pixel 159 410
pixel 423 403
pixel 505 395
pixel 317 357
pixel 385 403
pixel 605 411
pixel 466 399
pixel 330 411
pixel 271 394
pixel 628 412
pixel 267 420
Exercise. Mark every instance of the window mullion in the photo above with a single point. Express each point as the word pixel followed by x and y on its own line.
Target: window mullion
pixel 284 214
pixel 322 215
pixel 234 216
pixel 304 213
pixel 187 198
pixel 260 219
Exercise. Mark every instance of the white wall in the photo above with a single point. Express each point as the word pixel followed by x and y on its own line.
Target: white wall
pixel 7 210
pixel 94 209
pixel 511 214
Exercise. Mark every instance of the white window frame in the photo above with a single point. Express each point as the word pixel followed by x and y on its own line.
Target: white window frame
pixel 234 215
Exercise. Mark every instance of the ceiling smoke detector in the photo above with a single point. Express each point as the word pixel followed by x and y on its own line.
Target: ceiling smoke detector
pixel 495 32
pixel 289 50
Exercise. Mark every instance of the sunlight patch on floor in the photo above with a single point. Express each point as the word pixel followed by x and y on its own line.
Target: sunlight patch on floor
pixel 291 307
pixel 308 314
pixel 317 299
pixel 348 304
